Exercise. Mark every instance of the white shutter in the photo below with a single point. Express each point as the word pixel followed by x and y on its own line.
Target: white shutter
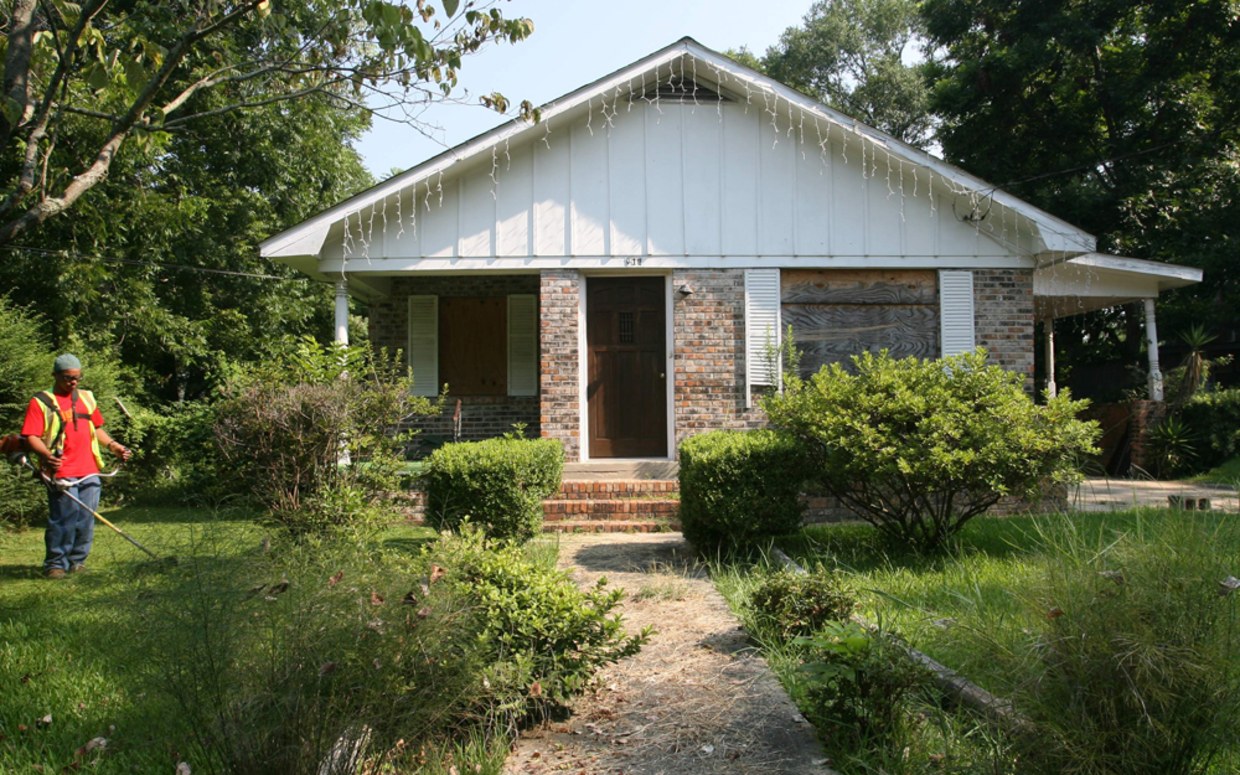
pixel 424 344
pixel 956 312
pixel 522 345
pixel 762 331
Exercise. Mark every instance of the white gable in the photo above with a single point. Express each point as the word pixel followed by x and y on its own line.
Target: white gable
pixel 616 173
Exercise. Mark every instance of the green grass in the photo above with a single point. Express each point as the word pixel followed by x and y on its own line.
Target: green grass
pixel 941 603
pixel 1226 473
pixel 81 650
pixel 990 607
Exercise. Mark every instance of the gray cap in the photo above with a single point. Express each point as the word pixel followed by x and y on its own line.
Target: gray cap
pixel 65 362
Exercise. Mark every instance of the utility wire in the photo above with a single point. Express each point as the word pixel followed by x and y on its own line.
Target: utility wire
pixel 156 264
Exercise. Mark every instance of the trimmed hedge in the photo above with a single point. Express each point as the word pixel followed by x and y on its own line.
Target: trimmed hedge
pixel 739 487
pixel 1213 420
pixel 498 484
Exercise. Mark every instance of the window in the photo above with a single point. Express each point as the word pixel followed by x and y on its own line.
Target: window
pixel 478 345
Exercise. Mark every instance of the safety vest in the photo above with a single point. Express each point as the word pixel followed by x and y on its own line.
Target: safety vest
pixel 54 420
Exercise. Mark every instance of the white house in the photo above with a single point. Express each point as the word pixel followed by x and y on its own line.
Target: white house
pixel 616 275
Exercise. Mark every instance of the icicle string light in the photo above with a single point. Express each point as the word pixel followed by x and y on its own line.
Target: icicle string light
pixel 783 114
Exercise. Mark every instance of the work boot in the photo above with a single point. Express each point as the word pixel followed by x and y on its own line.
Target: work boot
pixel 55 573
pixel 77 567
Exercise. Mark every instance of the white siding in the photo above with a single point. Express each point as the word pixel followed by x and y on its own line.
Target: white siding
pixel 522 345
pixel 706 182
pixel 762 326
pixel 956 312
pixel 424 344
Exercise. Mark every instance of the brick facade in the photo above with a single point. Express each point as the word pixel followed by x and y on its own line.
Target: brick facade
pixel 559 305
pixel 708 346
pixel 709 353
pixel 482 417
pixel 1003 318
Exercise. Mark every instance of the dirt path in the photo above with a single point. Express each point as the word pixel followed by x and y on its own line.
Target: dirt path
pixel 697 700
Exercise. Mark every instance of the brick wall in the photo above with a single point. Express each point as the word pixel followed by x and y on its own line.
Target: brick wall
pixel 1003 318
pixel 482 417
pixel 559 304
pixel 709 353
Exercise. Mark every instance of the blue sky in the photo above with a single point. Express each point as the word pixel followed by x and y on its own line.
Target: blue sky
pixel 574 42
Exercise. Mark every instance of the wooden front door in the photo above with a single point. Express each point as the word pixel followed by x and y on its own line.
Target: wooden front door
pixel 627 390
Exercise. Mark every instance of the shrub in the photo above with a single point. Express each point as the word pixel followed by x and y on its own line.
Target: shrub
pixel 860 683
pixel 917 448
pixel 274 658
pixel 1133 650
pixel 1213 418
pixel 1174 447
pixel 179 458
pixel 316 438
pixel 789 604
pixel 544 637
pixel 739 487
pixel 497 484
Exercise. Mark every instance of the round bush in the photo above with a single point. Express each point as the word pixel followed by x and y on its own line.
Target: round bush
pixel 497 484
pixel 791 604
pixel 740 487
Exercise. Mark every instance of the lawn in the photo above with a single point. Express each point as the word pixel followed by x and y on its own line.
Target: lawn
pixel 93 657
pixel 1073 616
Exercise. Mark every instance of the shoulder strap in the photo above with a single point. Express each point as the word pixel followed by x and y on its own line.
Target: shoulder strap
pixel 52 410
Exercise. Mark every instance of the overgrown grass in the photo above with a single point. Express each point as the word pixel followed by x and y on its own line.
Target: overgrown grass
pixel 71 649
pixel 255 653
pixel 1105 628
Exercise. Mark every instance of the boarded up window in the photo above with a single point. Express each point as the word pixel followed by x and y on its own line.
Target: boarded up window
pixel 473 345
pixel 838 313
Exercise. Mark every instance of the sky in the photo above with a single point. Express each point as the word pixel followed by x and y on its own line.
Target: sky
pixel 574 43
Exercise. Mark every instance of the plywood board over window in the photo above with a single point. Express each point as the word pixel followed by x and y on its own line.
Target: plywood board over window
pixel 473 352
pixel 837 313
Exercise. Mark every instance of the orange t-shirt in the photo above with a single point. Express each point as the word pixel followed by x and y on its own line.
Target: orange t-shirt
pixel 77 459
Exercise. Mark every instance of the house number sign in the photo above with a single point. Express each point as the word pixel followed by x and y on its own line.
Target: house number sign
pixel 633 261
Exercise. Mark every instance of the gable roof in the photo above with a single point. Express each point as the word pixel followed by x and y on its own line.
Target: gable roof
pixel 705 76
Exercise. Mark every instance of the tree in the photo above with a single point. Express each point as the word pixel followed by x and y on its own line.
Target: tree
pixel 1120 116
pixel 82 81
pixel 161 262
pixel 853 55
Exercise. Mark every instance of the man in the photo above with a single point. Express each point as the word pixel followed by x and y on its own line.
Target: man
pixel 65 429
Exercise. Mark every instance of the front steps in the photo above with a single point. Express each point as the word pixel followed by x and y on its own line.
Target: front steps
pixel 613 506
pixel 618 496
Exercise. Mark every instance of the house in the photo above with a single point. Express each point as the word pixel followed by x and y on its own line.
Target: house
pixel 619 275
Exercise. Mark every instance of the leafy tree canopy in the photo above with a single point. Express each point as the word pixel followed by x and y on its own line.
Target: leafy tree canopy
pixel 189 164
pixel 1121 116
pixel 857 56
pixel 83 80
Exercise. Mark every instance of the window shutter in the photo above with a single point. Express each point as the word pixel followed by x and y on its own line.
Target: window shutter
pixel 522 345
pixel 424 344
pixel 762 331
pixel 956 312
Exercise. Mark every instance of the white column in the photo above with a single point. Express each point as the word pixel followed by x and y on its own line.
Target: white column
pixel 1048 330
pixel 1151 346
pixel 342 312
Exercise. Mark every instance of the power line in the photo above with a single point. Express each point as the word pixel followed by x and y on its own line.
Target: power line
pixel 154 264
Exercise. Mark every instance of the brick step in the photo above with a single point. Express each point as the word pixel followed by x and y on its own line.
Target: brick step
pixel 618 508
pixel 616 526
pixel 625 488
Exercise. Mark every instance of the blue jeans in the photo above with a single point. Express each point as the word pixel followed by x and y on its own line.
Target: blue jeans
pixel 70 528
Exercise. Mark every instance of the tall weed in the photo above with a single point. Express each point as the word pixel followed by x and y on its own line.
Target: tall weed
pixel 1131 667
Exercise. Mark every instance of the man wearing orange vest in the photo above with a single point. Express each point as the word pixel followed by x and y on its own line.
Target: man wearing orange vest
pixel 65 429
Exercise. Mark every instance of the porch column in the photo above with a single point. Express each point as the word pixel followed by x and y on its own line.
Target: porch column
pixel 342 312
pixel 1048 330
pixel 1151 343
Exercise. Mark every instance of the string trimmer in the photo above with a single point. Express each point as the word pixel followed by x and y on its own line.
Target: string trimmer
pixel 62 488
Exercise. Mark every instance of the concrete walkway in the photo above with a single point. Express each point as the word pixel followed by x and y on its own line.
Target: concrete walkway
pixel 1104 494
